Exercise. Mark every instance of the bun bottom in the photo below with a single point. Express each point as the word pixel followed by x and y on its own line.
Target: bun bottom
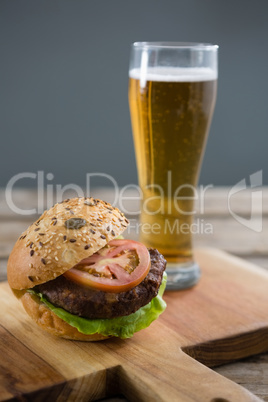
pixel 50 322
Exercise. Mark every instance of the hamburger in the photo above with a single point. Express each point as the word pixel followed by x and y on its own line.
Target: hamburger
pixel 79 279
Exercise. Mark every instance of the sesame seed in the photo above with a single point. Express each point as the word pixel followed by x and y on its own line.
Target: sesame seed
pixel 53 218
pixel 87 247
pixel 98 219
pixel 64 238
pixel 92 224
pixel 102 236
pixel 108 228
pixel 92 231
pixel 54 222
pixel 89 203
pixel 40 244
pixel 36 229
pixel 113 233
pixel 58 247
pixel 31 265
pixel 72 240
pixel 43 261
pixel 56 258
pixel 31 253
pixel 41 234
pixel 49 250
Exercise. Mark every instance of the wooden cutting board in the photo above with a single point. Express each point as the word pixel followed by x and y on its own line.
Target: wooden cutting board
pixel 223 318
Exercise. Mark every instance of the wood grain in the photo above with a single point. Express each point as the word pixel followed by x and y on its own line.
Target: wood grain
pixel 19 362
pixel 250 373
pixel 223 318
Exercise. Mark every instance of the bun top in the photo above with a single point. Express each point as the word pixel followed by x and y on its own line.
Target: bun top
pixel 64 235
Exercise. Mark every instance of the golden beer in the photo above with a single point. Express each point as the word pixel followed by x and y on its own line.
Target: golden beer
pixel 171 111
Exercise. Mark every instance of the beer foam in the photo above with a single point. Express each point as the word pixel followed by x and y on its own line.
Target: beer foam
pixel 173 74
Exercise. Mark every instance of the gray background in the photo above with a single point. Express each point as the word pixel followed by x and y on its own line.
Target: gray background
pixel 64 82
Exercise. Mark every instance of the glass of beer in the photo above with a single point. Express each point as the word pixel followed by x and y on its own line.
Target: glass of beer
pixel 172 94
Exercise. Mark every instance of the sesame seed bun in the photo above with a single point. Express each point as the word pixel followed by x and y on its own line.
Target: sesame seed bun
pixel 64 235
pixel 50 322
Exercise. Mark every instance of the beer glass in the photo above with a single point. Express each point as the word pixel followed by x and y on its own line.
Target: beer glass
pixel 172 93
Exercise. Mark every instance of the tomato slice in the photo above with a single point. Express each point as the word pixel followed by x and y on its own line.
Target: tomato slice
pixel 118 267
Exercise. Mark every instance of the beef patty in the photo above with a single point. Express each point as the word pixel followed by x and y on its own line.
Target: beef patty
pixel 90 303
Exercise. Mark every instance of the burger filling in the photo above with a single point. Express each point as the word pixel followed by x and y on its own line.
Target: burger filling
pixel 88 302
pixel 116 291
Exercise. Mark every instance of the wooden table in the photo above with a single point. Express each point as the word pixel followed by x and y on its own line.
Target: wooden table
pixel 228 234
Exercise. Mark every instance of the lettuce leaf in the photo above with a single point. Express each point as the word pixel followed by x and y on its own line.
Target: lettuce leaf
pixel 122 327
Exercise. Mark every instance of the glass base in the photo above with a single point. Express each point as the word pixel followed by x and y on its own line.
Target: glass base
pixel 182 276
